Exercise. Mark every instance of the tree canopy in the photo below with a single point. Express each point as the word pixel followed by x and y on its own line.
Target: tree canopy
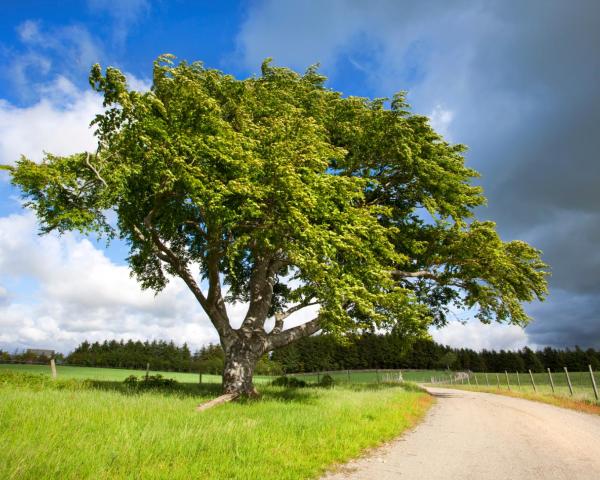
pixel 283 193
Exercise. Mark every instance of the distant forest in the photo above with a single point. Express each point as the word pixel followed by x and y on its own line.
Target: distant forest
pixel 324 352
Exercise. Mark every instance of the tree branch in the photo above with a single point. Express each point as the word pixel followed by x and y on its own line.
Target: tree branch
pixel 216 315
pixel 290 335
pixel 417 274
pixel 93 169
pixel 281 316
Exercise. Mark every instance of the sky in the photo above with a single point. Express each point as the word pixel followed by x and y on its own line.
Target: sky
pixel 517 81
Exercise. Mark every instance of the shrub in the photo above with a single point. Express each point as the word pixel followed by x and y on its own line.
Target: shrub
pixel 152 381
pixel 327 381
pixel 291 382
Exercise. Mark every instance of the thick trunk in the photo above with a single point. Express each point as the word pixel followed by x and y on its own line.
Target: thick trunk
pixel 240 361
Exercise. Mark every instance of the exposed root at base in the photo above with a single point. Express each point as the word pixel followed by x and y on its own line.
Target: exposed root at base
pixel 228 397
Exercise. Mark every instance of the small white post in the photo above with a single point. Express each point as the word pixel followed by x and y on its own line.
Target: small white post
pixel 53 367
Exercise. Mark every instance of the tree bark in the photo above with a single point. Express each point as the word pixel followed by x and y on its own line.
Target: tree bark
pixel 241 358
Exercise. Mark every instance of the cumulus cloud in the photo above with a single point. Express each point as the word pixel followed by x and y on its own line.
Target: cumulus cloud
pixel 59 123
pixel 65 289
pixel 516 82
pixel 478 336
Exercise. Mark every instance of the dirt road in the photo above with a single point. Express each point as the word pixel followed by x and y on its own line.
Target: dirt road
pixel 470 435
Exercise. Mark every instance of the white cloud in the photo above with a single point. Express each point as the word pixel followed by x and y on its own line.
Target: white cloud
pixel 59 123
pixel 440 120
pixel 74 292
pixel 47 125
pixel 478 336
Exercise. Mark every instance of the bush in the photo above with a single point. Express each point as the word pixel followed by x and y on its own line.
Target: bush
pixel 152 381
pixel 291 382
pixel 327 381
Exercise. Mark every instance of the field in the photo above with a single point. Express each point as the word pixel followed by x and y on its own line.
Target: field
pixel 580 381
pixel 371 376
pixel 74 429
pixel 115 374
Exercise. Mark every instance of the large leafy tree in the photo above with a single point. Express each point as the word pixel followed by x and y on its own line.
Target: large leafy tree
pixel 281 193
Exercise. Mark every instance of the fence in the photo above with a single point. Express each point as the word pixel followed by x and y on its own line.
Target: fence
pixel 373 375
pixel 579 385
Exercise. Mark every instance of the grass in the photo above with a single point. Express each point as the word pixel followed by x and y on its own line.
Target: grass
pixel 580 381
pixel 74 429
pixel 573 403
pixel 343 376
pixel 115 374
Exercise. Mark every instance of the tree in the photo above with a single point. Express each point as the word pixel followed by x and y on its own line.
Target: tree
pixel 290 195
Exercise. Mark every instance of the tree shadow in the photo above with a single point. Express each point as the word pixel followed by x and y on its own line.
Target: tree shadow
pixel 202 390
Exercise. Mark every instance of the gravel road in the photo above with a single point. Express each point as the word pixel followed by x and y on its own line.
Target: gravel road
pixel 471 435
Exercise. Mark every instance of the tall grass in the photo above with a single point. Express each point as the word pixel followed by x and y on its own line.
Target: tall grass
pixel 116 374
pixel 73 429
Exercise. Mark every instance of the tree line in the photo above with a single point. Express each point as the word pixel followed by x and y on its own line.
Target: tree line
pixel 161 355
pixel 371 351
pixel 324 352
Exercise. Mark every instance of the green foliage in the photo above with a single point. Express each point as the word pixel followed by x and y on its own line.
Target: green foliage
pixel 387 351
pixel 150 381
pixel 355 205
pixel 291 382
pixel 327 381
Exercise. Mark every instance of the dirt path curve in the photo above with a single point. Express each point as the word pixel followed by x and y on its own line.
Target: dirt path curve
pixel 471 435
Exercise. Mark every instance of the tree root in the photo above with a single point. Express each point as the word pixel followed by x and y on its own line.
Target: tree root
pixel 228 397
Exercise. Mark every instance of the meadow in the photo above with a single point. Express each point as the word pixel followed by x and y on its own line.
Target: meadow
pixel 521 383
pixel 116 374
pixel 73 429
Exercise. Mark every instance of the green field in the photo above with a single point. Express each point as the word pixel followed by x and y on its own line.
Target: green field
pixel 580 381
pixel 75 429
pixel 357 376
pixel 116 374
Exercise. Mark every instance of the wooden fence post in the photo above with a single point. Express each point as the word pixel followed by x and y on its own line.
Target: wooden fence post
pixel 593 382
pixel 147 370
pixel 507 382
pixel 475 377
pixel 200 378
pixel 532 382
pixel 498 378
pixel 569 381
pixel 551 381
pixel 487 379
pixel 518 379
pixel 469 378
pixel 53 367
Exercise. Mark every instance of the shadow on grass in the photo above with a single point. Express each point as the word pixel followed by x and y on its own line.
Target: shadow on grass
pixel 203 390
pixel 305 395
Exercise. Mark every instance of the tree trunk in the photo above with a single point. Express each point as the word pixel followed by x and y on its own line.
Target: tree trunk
pixel 240 361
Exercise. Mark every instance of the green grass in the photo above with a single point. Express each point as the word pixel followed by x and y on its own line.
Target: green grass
pixel 73 429
pixel 580 381
pixel 343 376
pixel 115 374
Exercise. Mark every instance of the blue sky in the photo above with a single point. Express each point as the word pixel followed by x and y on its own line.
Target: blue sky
pixel 515 81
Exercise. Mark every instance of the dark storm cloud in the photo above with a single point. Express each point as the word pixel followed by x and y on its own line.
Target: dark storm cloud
pixel 521 82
